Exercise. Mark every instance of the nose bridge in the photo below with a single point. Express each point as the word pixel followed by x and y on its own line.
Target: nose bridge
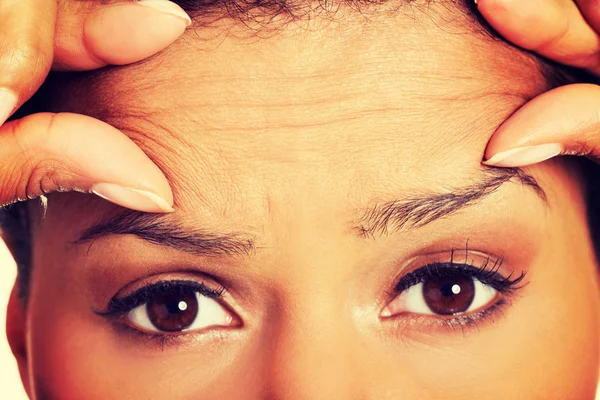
pixel 314 351
pixel 313 346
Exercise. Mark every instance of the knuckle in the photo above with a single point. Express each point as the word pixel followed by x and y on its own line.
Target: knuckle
pixel 44 177
pixel 11 184
pixel 35 170
pixel 38 178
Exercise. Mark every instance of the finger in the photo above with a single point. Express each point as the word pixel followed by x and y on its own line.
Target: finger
pixel 47 152
pixel 565 120
pixel 92 34
pixel 553 28
pixel 26 50
pixel 591 11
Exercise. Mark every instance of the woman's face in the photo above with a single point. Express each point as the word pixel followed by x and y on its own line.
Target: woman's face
pixel 335 234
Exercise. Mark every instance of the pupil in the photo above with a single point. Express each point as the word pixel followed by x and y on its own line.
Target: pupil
pixel 449 295
pixel 173 312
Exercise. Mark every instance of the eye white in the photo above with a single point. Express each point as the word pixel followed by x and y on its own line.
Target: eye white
pixel 210 313
pixel 413 301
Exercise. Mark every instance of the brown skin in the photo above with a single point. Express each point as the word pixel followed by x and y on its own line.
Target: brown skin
pixel 288 138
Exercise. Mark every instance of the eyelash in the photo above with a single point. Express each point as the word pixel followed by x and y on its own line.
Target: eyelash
pixel 487 273
pixel 120 307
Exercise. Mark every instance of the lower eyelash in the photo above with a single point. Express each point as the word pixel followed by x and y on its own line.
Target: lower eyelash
pixel 158 341
pixel 463 323
pixel 473 320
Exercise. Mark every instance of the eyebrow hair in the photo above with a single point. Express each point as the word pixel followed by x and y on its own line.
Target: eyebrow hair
pixel 413 212
pixel 418 211
pixel 159 229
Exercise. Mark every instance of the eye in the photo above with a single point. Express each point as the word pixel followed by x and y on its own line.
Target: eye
pixel 443 296
pixel 451 289
pixel 171 307
pixel 185 310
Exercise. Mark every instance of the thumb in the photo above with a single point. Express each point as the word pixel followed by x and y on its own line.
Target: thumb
pixel 47 152
pixel 91 34
pixel 563 121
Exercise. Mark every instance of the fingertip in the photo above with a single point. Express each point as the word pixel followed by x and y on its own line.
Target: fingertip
pixel 524 156
pixel 531 24
pixel 46 152
pixel 135 199
pixel 8 104
pixel 167 7
pixel 129 32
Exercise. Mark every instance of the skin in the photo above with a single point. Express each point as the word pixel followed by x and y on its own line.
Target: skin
pixel 39 153
pixel 287 138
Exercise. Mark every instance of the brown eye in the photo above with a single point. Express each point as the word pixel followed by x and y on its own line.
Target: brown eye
pixel 452 294
pixel 180 309
pixel 173 312
pixel 447 296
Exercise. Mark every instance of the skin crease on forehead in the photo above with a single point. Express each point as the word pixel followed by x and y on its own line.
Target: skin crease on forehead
pixel 287 137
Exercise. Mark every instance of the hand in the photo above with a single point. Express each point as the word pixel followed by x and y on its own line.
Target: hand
pixel 565 120
pixel 42 153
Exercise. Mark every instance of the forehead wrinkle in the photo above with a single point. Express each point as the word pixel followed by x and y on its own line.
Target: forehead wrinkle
pixel 276 65
pixel 204 168
pixel 189 166
pixel 179 100
pixel 274 94
pixel 191 127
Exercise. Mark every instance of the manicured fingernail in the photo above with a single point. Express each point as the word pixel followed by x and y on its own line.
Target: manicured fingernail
pixel 8 102
pixel 527 155
pixel 135 199
pixel 167 7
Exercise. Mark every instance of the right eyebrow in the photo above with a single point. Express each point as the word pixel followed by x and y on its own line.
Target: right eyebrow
pixel 163 231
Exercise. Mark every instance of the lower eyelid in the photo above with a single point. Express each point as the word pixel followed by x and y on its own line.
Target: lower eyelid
pixel 414 327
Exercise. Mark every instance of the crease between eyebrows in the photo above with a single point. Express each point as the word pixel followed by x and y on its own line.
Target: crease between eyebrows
pixel 418 211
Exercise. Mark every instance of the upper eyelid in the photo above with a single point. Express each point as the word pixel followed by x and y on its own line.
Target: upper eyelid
pixel 426 269
pixel 120 306
pixel 487 276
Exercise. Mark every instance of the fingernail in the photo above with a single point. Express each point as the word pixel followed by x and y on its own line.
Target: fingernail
pixel 8 102
pixel 167 7
pixel 135 199
pixel 527 155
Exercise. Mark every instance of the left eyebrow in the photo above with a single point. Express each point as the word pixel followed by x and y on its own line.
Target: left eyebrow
pixel 418 211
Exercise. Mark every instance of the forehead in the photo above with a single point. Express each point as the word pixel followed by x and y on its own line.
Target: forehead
pixel 370 108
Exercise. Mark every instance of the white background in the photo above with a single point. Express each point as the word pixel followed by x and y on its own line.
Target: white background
pixel 10 382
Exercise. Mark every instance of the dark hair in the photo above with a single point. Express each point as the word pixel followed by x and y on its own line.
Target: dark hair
pixel 258 14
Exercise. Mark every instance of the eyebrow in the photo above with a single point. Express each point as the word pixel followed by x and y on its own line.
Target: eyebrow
pixel 377 220
pixel 159 229
pixel 418 211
